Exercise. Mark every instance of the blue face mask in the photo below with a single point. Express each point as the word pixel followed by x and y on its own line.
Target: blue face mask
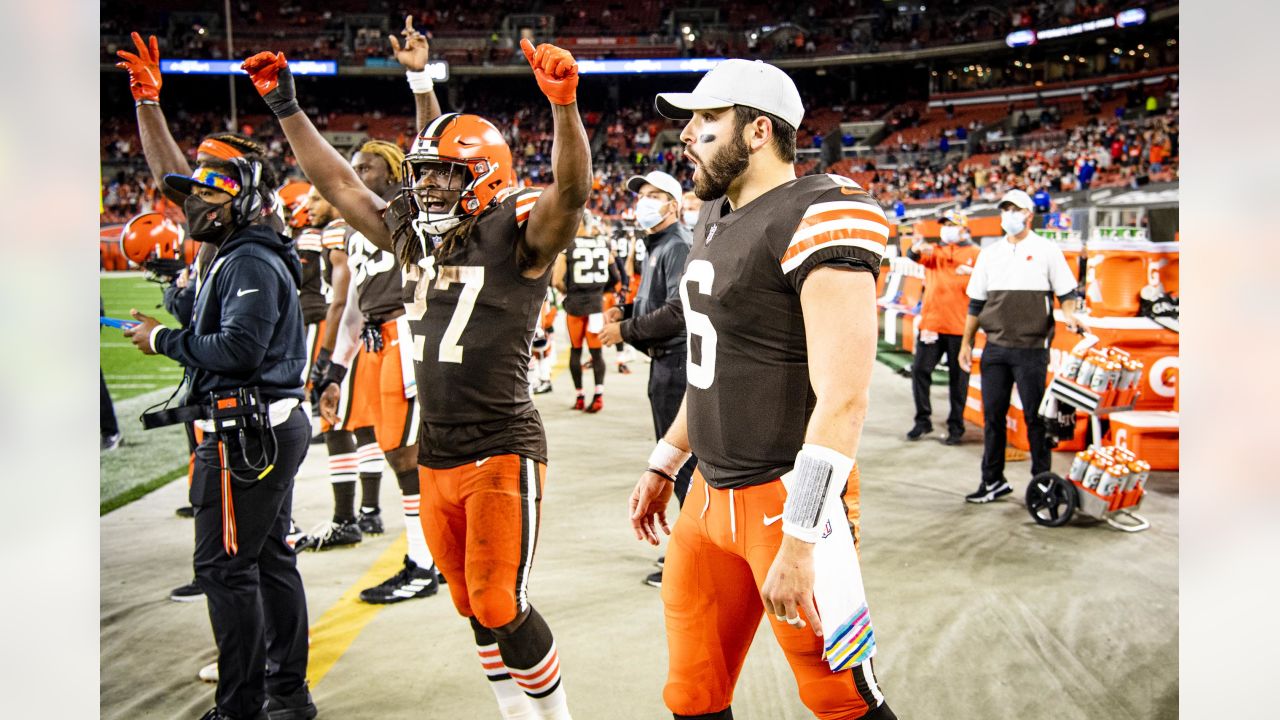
pixel 649 212
pixel 1012 221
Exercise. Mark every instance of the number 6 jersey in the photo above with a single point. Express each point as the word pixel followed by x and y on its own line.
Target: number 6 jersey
pixel 472 327
pixel 748 398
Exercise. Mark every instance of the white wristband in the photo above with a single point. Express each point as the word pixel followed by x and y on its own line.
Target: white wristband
pixel 151 339
pixel 668 458
pixel 419 81
pixel 820 474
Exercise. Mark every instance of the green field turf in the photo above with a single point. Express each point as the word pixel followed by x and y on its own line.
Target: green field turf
pixel 130 373
pixel 147 459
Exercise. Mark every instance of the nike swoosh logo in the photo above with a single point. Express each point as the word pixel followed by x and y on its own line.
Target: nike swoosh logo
pixel 242 293
pixel 481 462
pixel 771 520
pixel 395 342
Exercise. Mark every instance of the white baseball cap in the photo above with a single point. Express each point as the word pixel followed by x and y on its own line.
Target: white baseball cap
pixel 1019 199
pixel 658 179
pixel 751 83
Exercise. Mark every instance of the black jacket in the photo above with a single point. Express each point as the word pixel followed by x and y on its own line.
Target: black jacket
pixel 246 329
pixel 664 264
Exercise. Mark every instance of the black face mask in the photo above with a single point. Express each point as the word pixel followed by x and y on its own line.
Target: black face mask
pixel 204 220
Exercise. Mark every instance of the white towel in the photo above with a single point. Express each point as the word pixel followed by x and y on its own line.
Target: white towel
pixel 405 335
pixel 595 322
pixel 848 638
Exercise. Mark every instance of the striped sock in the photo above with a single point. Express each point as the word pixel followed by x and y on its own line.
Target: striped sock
pixel 530 656
pixel 370 459
pixel 342 473
pixel 512 702
pixel 418 552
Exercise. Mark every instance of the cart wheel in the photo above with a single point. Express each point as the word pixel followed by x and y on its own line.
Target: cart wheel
pixel 1051 500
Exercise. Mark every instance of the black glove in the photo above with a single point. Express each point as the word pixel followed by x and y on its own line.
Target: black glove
pixel 334 374
pixel 318 370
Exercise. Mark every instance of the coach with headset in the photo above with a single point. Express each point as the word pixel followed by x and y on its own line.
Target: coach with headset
pixel 245 355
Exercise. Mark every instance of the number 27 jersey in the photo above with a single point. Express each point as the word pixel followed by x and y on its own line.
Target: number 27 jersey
pixel 748 397
pixel 472 328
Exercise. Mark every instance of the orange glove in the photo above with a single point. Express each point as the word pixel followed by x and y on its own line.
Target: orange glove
pixel 555 70
pixel 143 69
pixel 271 76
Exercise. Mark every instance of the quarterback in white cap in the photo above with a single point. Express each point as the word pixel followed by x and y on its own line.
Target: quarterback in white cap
pixel 778 298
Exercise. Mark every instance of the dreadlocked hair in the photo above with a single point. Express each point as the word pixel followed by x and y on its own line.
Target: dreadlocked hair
pixel 390 153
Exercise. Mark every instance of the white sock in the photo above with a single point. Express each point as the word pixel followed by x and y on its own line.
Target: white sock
pixel 599 389
pixel 418 551
pixel 512 702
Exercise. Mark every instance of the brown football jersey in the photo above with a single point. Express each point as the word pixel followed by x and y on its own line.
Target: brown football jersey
pixel 311 293
pixel 376 276
pixel 472 329
pixel 748 396
pixel 586 275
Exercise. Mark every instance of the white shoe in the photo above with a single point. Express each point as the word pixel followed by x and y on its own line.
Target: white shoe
pixel 209 673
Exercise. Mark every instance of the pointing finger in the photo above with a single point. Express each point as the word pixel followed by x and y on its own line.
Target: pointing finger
pixel 527 48
pixel 408 24
pixel 395 43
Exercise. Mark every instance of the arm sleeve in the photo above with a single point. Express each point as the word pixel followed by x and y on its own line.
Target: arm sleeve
pixel 673 262
pixel 661 324
pixel 847 229
pixel 250 294
pixel 178 302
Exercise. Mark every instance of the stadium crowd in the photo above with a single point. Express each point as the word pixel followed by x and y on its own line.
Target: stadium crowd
pixel 351 31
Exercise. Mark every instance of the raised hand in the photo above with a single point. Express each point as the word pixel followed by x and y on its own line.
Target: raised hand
pixel 143 69
pixel 271 77
pixel 555 70
pixel 415 52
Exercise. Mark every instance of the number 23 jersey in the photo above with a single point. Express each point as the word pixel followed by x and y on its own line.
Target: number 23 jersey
pixel 472 328
pixel 748 397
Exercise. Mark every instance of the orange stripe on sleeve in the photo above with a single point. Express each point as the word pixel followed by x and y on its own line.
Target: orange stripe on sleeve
pixel 841 234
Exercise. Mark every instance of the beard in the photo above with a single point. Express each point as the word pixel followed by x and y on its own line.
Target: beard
pixel 721 169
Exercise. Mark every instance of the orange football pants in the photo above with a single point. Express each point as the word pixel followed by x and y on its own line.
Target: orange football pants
pixel 481 522
pixel 377 394
pixel 577 327
pixel 717 560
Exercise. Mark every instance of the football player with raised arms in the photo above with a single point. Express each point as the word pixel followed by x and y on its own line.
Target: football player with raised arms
pixel 481 253
pixel 779 305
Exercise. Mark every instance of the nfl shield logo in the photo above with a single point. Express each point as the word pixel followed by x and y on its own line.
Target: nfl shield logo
pixel 826 531
pixel 711 232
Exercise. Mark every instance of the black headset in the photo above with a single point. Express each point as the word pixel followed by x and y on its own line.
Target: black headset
pixel 246 206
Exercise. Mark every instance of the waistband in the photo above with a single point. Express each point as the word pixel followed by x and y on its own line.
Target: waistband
pixel 277 410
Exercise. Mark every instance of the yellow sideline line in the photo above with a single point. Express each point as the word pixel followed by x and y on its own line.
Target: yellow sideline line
pixel 338 627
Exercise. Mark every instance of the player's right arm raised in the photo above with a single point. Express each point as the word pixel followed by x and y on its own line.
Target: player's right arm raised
pixel 554 220
pixel 158 146
pixel 323 166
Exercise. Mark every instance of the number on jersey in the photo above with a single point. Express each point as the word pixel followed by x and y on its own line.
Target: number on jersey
pixel 702 373
pixel 472 279
pixel 590 265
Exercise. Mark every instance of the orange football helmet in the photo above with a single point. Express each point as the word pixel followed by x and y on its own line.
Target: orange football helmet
pixel 294 195
pixel 465 144
pixel 154 242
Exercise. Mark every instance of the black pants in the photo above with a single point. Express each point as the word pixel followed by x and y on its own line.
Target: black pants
pixel 927 358
pixel 666 390
pixel 256 601
pixel 106 410
pixel 1001 368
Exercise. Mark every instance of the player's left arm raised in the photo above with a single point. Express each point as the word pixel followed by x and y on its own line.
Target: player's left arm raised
pixel 554 220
